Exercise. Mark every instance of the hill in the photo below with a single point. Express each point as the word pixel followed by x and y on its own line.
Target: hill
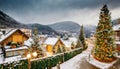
pixel 72 27
pixel 7 21
pixel 66 26
pixel 42 28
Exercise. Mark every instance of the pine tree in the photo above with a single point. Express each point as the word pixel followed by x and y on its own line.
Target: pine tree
pixel 82 38
pixel 36 47
pixel 104 45
pixel 79 44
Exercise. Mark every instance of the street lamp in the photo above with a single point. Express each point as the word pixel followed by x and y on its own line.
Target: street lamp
pixel 34 54
pixel 29 56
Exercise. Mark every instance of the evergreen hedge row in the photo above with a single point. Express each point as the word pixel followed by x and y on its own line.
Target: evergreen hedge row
pixel 22 64
pixel 42 63
pixel 52 61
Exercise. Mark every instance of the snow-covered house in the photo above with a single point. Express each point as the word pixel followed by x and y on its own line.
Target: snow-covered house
pixel 70 43
pixel 51 44
pixel 42 38
pixel 12 41
pixel 73 39
pixel 116 29
pixel 14 35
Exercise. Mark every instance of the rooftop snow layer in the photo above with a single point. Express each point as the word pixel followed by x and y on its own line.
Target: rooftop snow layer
pixel 51 41
pixel 7 35
pixel 20 48
pixel 116 27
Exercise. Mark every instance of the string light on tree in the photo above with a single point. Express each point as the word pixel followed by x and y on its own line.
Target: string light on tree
pixel 104 46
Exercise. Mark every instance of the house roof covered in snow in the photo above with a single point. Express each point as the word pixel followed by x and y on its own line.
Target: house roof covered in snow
pixel 117 42
pixel 51 41
pixel 67 43
pixel 73 39
pixel 29 42
pixel 5 36
pixel 116 27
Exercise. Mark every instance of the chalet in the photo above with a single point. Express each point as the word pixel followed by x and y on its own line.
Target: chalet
pixel 12 41
pixel 51 44
pixel 73 39
pixel 70 43
pixel 14 35
pixel 117 36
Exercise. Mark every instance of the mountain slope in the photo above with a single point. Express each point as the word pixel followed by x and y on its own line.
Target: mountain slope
pixel 72 27
pixel 66 26
pixel 42 28
pixel 69 26
pixel 7 21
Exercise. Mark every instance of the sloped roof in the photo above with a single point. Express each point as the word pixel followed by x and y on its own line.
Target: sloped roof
pixel 29 42
pixel 9 34
pixel 67 43
pixel 51 41
pixel 73 39
pixel 116 27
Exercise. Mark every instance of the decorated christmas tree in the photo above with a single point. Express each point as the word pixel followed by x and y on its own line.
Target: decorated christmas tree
pixel 82 38
pixel 104 45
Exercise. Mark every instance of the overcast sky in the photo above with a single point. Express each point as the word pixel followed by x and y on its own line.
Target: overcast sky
pixel 51 11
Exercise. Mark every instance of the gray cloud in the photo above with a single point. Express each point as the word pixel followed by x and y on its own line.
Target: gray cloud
pixel 50 11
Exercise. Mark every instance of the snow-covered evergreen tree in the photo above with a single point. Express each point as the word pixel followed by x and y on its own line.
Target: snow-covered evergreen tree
pixel 82 38
pixel 36 47
pixel 79 44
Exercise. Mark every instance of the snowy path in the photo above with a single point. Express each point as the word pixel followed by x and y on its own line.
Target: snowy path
pixel 75 62
pixel 80 62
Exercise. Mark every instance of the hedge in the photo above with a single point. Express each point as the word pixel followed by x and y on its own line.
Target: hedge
pixel 22 64
pixel 48 62
pixel 42 63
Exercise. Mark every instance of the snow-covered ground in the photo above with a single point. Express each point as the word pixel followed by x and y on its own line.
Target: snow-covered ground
pixel 80 62
pixel 76 62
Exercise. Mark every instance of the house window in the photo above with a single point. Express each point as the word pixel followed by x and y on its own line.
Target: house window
pixel 49 48
pixel 16 53
pixel 9 54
